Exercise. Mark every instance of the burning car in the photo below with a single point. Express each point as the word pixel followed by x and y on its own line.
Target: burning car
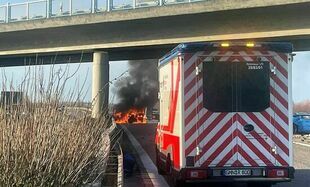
pixel 131 116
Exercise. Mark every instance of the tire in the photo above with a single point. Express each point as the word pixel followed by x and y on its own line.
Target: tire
pixel 159 169
pixel 176 182
pixel 173 179
pixel 295 129
pixel 168 164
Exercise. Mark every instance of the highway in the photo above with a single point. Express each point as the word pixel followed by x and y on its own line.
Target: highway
pixel 145 134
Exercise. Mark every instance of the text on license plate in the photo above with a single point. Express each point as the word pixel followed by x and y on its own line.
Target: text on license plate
pixel 237 172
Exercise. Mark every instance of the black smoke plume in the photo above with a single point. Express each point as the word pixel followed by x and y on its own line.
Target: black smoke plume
pixel 140 88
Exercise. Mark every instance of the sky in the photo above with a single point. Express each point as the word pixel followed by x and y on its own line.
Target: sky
pixel 300 70
pixel 82 75
pixel 301 77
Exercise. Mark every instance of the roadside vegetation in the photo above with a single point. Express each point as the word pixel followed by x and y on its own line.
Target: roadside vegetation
pixel 45 142
pixel 303 106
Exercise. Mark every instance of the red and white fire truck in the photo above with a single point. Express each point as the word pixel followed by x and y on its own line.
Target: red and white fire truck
pixel 226 113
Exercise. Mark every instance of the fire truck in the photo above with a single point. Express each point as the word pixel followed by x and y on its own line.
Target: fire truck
pixel 226 113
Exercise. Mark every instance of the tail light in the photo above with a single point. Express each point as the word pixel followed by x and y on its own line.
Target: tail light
pixel 277 173
pixel 196 174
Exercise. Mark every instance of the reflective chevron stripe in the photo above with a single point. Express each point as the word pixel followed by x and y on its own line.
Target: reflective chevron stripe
pixel 220 136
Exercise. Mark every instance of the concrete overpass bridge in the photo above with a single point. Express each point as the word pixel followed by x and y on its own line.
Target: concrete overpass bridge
pixel 143 32
pixel 157 27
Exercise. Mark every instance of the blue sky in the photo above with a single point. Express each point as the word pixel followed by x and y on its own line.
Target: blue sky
pixel 301 77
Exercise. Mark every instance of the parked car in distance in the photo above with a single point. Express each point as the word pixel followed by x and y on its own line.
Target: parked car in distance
pixel 301 123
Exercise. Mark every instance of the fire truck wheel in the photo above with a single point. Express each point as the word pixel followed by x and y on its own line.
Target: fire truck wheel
pixel 173 175
pixel 158 165
pixel 174 181
pixel 168 164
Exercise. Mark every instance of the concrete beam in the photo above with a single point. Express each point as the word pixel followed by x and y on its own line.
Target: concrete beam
pixel 135 53
pixel 268 23
pixel 100 84
pixel 206 6
pixel 138 53
pixel 45 59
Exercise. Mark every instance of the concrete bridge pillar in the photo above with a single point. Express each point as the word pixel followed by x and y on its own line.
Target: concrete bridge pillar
pixel 100 83
pixel 49 8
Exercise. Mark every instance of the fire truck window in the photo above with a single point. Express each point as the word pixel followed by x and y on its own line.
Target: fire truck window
pixel 218 89
pixel 236 86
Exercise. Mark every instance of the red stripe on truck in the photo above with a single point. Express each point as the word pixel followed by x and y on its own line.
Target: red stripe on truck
pixel 217 152
pixel 284 57
pixel 264 143
pixel 268 132
pixel 190 132
pixel 227 157
pixel 174 99
pixel 205 132
pixel 255 150
pixel 187 57
pixel 277 65
pixel 279 112
pixel 193 114
pixel 172 141
pixel 193 98
pixel 276 124
pixel 279 97
pixel 215 138
pixel 247 157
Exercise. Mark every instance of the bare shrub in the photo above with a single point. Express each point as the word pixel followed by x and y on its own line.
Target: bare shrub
pixel 48 139
pixel 303 106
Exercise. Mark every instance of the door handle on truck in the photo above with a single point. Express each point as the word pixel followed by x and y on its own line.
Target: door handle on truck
pixel 274 70
pixel 198 69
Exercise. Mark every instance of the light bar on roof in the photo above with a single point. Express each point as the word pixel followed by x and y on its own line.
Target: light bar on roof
pixel 250 44
pixel 225 44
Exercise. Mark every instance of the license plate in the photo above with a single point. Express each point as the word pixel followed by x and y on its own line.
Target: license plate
pixel 237 172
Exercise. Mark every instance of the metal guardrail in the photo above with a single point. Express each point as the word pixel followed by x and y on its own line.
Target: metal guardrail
pixel 120 168
pixel 44 9
pixel 116 153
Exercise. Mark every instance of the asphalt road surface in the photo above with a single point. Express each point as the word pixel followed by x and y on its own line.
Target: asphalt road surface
pixel 145 135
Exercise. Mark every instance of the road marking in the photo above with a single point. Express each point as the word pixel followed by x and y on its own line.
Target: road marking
pixel 157 180
pixel 303 144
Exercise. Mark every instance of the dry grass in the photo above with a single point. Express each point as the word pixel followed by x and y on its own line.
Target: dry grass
pixel 45 144
pixel 302 106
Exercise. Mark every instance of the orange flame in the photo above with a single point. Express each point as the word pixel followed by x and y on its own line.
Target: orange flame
pixel 133 115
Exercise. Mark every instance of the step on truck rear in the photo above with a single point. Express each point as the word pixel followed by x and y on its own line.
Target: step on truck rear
pixel 226 113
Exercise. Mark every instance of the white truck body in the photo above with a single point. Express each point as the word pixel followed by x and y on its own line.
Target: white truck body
pixel 226 112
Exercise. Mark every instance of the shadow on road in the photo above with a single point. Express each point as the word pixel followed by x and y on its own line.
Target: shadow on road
pixel 302 179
